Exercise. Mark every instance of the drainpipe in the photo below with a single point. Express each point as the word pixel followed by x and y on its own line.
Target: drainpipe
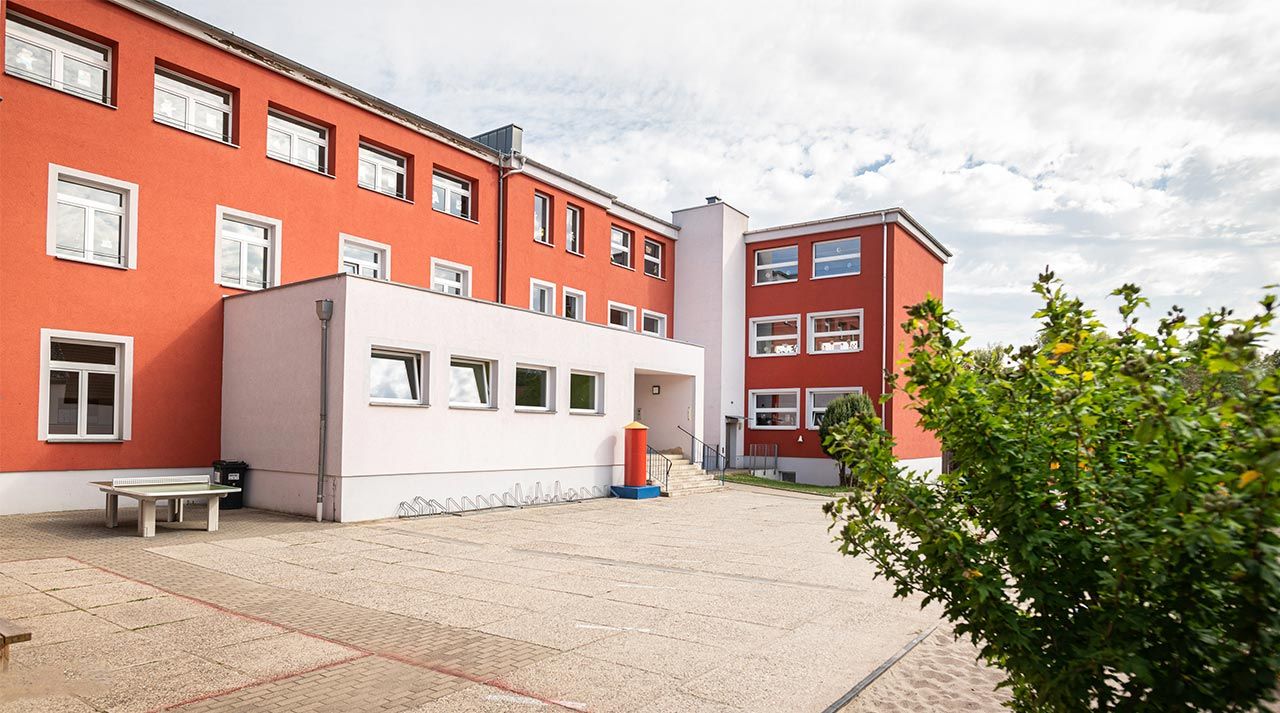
pixel 324 310
pixel 884 312
pixel 504 161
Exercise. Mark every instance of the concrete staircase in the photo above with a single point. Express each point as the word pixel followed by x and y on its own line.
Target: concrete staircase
pixel 687 478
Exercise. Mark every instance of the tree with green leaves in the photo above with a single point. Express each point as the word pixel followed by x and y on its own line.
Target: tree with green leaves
pixel 838 412
pixel 1109 537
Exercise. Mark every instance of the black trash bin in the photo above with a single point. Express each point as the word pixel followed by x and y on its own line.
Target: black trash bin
pixel 231 472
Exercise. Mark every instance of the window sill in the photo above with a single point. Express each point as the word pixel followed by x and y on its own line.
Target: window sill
pixel 773 428
pixel 834 351
pixel 533 409
pixel 768 356
pixel 175 127
pixel 77 95
pixel 832 277
pixel 470 407
pixel 576 412
pixel 467 218
pixel 242 288
pixel 396 404
pixel 775 282
pixel 299 166
pixel 83 261
pixel 402 199
pixel 571 252
pixel 83 440
pixel 656 277
pixel 543 243
pixel 624 267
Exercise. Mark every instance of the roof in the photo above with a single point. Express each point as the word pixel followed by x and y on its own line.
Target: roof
pixel 812 226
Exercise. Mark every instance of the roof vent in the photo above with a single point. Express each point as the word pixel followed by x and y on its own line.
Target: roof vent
pixel 505 140
pixel 712 200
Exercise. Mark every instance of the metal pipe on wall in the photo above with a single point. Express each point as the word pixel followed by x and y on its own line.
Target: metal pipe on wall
pixel 324 311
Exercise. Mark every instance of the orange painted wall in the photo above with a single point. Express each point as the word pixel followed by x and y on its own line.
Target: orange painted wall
pixel 915 273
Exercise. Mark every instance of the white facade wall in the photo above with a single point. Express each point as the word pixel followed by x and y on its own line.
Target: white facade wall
pixel 668 411
pixel 382 455
pixel 824 471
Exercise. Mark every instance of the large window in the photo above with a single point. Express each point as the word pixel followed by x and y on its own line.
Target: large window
pixel 777 265
pixel 542 297
pixel 92 218
pixel 775 336
pixel 575 304
pixel 451 195
pixel 620 246
pixel 820 399
pixel 835 258
pixel 654 323
pixel 534 386
pixel 573 229
pixel 382 171
pixel 395 377
pixel 542 218
pixel 57 59
pixel 450 278
pixel 652 258
pixel 298 142
pixel 365 258
pixel 85 386
pixel 622 316
pixel 775 410
pixel 834 332
pixel 584 392
pixel 248 250
pixel 192 106
pixel 470 383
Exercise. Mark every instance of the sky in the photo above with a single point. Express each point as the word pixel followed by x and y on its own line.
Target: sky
pixel 1112 141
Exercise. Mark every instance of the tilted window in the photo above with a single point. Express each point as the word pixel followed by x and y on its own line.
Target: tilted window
pixel 573 229
pixel 395 377
pixel 382 171
pixel 470 383
pixel 620 246
pixel 542 218
pixel 451 195
pixel 777 265
pixel 192 106
pixel 652 258
pixel 58 59
pixel 298 142
pixel 775 410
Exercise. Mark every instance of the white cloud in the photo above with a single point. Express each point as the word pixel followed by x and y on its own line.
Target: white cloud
pixel 1116 141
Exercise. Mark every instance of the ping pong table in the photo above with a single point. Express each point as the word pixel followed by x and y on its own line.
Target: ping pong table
pixel 172 488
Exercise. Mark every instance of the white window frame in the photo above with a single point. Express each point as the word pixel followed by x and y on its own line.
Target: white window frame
pixel 751 403
pixel 536 286
pixel 548 388
pixel 274 246
pixel 755 277
pixel 573 238
pixel 813 334
pixel 625 308
pixel 662 319
pixel 630 241
pixel 468 192
pixel 582 304
pixel 129 230
pixel 124 384
pixel 491 370
pixel 546 214
pixel 835 258
pixel 420 373
pixel 651 260
pixel 295 137
pixel 384 270
pixel 463 270
pixel 811 411
pixel 756 340
pixel 173 82
pixel 383 161
pixel 26 29
pixel 597 397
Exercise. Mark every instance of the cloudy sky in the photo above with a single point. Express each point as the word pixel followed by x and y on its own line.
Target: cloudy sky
pixel 1116 142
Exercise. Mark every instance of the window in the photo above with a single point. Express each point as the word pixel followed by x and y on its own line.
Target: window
pixel 584 392
pixel 777 265
pixel 382 171
pixel 92 218
pixel 819 399
pixel 542 297
pixel 620 246
pixel 451 195
pixel 86 386
pixel 831 332
pixel 533 388
pixel 192 106
pixel 573 229
pixel 775 336
pixel 470 383
pixel 298 142
pixel 775 410
pixel 365 258
pixel 248 250
pixel 652 258
pixel 57 59
pixel 835 258
pixel 450 278
pixel 622 316
pixel 654 323
pixel 395 377
pixel 542 218
pixel 575 304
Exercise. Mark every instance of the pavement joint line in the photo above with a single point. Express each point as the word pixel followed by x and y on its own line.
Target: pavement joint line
pixel 879 671
pixel 262 682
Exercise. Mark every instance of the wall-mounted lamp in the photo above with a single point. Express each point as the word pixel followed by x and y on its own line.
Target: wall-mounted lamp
pixel 800 438
pixel 655 390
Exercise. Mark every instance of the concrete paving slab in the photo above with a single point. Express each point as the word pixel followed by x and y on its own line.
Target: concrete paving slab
pixel 279 654
pixel 674 658
pixel 19 606
pixel 149 612
pixel 211 631
pixel 598 685
pixel 558 631
pixel 40 566
pixel 66 626
pixel 97 595
pixel 65 579
pixel 10 586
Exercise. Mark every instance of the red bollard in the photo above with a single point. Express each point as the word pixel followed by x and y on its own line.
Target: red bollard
pixel 636 457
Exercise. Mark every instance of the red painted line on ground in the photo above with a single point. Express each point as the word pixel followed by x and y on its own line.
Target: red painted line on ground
pixel 445 670
pixel 252 684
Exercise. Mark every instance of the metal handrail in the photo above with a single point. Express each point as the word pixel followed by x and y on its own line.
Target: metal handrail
pixel 658 468
pixel 710 454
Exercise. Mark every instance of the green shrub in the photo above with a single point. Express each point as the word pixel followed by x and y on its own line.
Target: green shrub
pixel 1109 536
pixel 839 412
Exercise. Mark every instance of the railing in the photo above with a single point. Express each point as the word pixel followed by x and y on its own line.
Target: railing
pixel 711 458
pixel 659 467
pixel 762 459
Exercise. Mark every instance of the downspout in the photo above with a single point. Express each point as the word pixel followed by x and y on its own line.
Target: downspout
pixel 884 313
pixel 324 311
pixel 504 159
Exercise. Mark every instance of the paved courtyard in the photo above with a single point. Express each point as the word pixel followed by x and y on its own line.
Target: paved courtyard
pixel 726 601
